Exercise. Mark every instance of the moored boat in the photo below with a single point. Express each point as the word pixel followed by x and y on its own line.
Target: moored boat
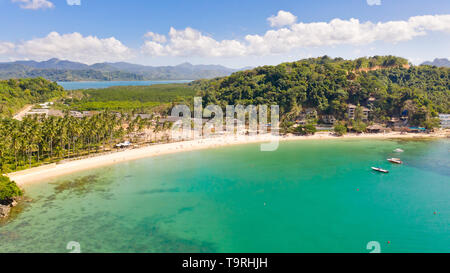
pixel 395 160
pixel 398 150
pixel 380 170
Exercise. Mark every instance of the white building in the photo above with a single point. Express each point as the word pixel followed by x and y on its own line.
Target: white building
pixel 38 112
pixel 445 120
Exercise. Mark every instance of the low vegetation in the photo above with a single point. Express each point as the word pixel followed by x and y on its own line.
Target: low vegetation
pixel 8 189
pixel 127 98
pixel 340 129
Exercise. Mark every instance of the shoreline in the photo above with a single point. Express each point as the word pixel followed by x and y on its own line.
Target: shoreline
pixel 46 172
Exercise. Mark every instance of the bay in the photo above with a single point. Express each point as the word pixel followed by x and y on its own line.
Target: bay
pixel 308 196
pixel 106 84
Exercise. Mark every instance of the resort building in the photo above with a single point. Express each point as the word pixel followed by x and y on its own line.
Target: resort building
pixel 445 120
pixel 55 113
pixel 76 114
pixel 352 112
pixel 328 119
pixel 311 113
pixel 46 105
pixel 37 112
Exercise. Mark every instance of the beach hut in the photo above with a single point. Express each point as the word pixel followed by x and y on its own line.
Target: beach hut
pixel 375 129
pixel 123 144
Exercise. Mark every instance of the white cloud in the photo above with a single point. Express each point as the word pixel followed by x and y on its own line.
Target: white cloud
pixel 6 48
pixel 74 2
pixel 191 42
pixel 156 37
pixel 73 46
pixel 34 4
pixel 283 18
pixel 374 2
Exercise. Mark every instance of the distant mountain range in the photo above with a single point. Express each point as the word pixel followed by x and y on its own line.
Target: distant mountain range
pixel 439 62
pixel 61 70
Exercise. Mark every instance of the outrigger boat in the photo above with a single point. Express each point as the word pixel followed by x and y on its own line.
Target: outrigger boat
pixel 380 170
pixel 395 160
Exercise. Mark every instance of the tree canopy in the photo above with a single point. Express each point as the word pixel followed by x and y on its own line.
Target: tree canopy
pixel 15 93
pixel 387 85
pixel 8 189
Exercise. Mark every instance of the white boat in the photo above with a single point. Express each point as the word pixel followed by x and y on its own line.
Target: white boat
pixel 395 160
pixel 398 150
pixel 380 170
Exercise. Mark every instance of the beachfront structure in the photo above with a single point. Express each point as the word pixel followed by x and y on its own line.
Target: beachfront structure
pixel 38 112
pixel 123 144
pixel 377 128
pixel 329 119
pixel 445 120
pixel 77 114
pixel 352 112
pixel 46 105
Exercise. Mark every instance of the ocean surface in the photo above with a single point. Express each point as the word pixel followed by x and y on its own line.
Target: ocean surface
pixel 106 84
pixel 309 196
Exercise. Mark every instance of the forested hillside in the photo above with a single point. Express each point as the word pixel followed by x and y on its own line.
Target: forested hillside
pixel 388 85
pixel 14 94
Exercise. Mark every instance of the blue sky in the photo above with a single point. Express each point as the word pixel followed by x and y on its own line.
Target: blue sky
pixel 232 33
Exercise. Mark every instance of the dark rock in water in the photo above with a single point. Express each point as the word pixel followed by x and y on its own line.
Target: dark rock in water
pixel 5 207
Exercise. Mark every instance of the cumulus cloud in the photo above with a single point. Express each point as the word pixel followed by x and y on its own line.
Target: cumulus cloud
pixel 73 46
pixel 156 37
pixel 34 4
pixel 374 2
pixel 283 18
pixel 191 42
pixel 74 2
pixel 6 48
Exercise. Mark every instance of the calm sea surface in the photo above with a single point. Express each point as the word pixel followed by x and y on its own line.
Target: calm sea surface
pixel 309 196
pixel 106 84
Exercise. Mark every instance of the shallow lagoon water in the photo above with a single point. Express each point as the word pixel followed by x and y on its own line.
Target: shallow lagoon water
pixel 309 196
pixel 106 84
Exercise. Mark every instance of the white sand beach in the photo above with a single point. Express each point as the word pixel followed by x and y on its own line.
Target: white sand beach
pixel 43 173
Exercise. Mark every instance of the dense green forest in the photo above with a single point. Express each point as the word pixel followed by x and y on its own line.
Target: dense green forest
pixel 127 98
pixel 387 85
pixel 37 140
pixel 14 94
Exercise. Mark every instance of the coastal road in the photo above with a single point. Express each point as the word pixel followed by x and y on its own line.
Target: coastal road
pixel 21 114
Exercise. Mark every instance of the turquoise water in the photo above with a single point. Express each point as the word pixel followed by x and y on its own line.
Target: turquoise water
pixel 309 196
pixel 106 84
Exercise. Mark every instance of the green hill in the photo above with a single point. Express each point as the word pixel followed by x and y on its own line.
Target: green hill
pixel 388 85
pixel 14 94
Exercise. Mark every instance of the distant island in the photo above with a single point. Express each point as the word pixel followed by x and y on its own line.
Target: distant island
pixel 62 70
pixel 444 62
